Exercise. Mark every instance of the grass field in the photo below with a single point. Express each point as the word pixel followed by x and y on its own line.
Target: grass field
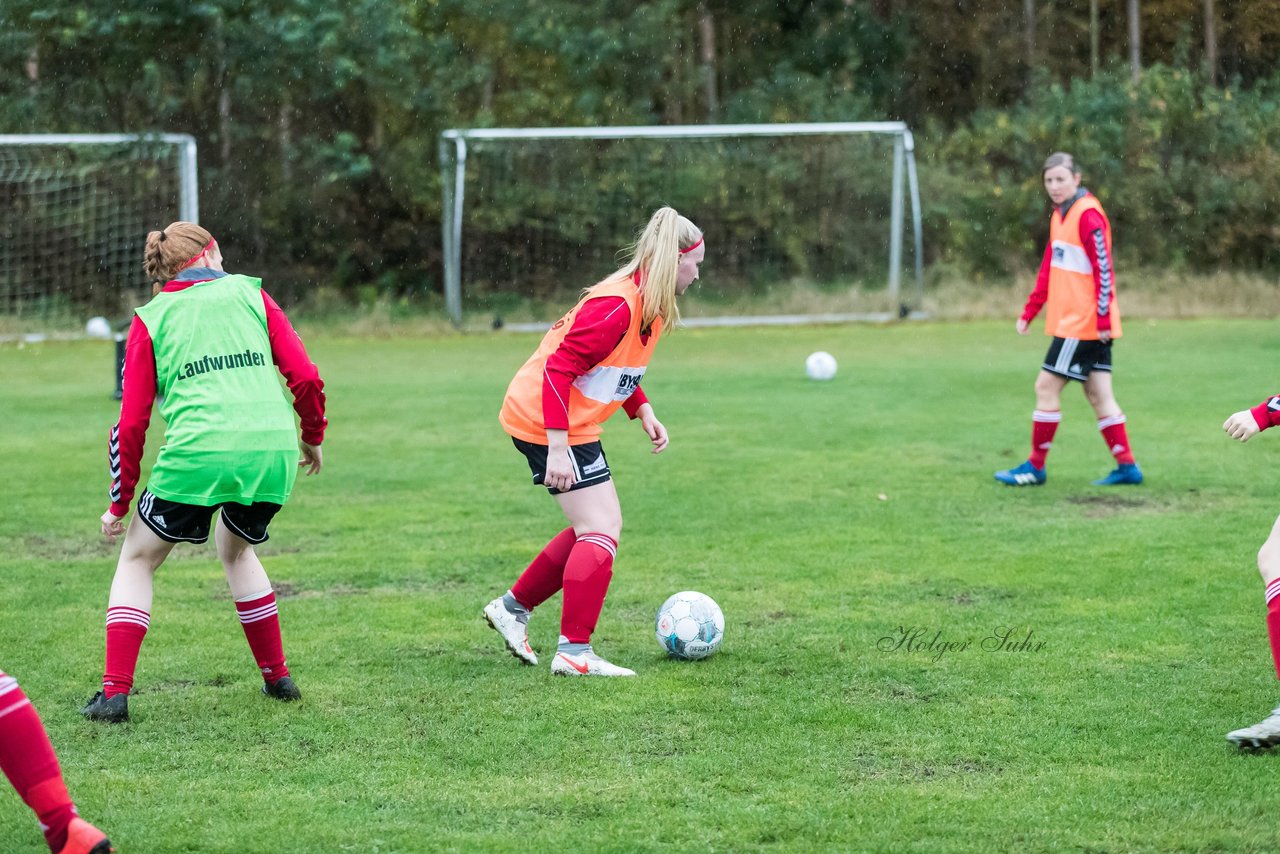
pixel 824 518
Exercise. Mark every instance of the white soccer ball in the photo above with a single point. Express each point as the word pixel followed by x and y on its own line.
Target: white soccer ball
pixel 820 366
pixel 690 625
pixel 98 327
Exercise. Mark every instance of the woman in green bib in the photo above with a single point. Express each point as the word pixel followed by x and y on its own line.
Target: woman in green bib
pixel 208 345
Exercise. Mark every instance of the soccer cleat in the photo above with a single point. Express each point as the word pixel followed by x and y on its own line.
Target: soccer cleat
pixel 282 689
pixel 112 710
pixel 585 664
pixel 1260 735
pixel 514 633
pixel 1024 475
pixel 84 838
pixel 1125 473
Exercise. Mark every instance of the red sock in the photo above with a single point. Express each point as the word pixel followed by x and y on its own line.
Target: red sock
pixel 28 760
pixel 1117 439
pixel 1273 621
pixel 261 623
pixel 545 575
pixel 126 627
pixel 1044 423
pixel 586 580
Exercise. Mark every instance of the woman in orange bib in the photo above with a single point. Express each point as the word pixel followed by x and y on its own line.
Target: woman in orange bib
pixel 1078 283
pixel 587 367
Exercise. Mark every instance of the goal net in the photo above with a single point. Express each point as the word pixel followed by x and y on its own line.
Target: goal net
pixel 75 210
pixel 804 222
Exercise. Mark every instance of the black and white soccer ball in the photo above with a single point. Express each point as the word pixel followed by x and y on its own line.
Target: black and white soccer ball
pixel 690 625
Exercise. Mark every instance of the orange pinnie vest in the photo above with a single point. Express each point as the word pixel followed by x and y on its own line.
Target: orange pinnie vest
pixel 1072 310
pixel 595 395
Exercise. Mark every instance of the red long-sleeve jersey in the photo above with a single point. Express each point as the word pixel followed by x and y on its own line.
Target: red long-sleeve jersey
pixel 1092 237
pixel 1267 413
pixel 128 436
pixel 597 329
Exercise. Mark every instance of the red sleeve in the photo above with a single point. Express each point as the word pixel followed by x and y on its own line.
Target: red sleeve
pixel 1093 236
pixel 300 373
pixel 1036 299
pixel 633 403
pixel 1267 413
pixel 128 436
pixel 596 331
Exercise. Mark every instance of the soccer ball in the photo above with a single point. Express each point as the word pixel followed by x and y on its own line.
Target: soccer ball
pixel 98 327
pixel 820 366
pixel 690 625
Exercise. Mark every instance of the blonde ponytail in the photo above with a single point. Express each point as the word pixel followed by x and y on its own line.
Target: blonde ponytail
pixel 656 255
pixel 171 248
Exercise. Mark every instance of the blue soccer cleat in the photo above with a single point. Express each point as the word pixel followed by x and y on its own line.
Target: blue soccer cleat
pixel 1024 475
pixel 1125 473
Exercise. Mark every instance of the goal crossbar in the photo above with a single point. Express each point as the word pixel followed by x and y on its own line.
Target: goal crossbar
pixel 453 159
pixel 189 201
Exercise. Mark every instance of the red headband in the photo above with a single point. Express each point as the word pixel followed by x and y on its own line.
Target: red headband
pixel 693 247
pixel 192 259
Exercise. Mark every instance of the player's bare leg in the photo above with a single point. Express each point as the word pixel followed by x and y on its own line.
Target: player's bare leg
pixel 596 517
pixel 1266 733
pixel 1111 423
pixel 128 617
pixel 1044 424
pixel 256 607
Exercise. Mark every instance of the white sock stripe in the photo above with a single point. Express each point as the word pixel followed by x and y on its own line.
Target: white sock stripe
pixel 1045 417
pixel 116 621
pixel 18 705
pixel 602 541
pixel 260 594
pixel 7 684
pixel 121 614
pixel 1273 590
pixel 257 614
pixel 1110 421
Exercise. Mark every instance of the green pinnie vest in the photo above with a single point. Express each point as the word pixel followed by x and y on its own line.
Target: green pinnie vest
pixel 230 433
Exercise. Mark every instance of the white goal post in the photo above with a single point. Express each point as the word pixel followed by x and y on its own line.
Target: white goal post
pixel 74 212
pixel 502 194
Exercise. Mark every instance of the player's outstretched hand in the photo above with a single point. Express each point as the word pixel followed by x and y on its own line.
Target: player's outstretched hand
pixel 112 525
pixel 312 458
pixel 1241 426
pixel 653 427
pixel 1021 326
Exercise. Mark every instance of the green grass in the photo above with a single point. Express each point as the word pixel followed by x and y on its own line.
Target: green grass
pixel 822 517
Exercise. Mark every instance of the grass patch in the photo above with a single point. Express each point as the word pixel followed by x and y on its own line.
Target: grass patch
pixel 823 517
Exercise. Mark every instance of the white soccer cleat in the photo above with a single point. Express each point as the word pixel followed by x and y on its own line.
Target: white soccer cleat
pixel 1260 735
pixel 514 633
pixel 585 664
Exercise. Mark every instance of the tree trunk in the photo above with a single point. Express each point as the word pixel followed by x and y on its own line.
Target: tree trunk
pixel 1029 33
pixel 1093 38
pixel 224 98
pixel 707 27
pixel 284 133
pixel 1135 40
pixel 1210 43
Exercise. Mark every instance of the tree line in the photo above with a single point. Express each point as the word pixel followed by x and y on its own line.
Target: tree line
pixel 318 121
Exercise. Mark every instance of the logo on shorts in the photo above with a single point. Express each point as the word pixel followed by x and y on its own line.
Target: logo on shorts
pixel 1075 369
pixel 594 467
pixel 159 520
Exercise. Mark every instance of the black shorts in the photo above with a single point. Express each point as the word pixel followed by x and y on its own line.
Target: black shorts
pixel 174 522
pixel 589 465
pixel 1076 359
